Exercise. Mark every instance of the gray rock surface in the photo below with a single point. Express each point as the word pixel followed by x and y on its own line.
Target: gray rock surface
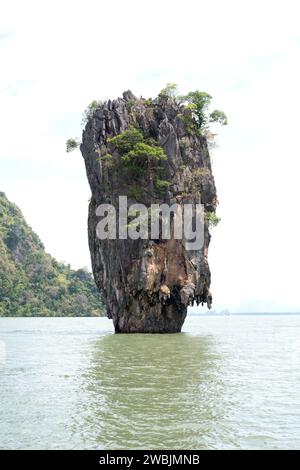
pixel 147 285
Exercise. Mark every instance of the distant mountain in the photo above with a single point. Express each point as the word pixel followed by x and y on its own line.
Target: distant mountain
pixel 264 306
pixel 32 283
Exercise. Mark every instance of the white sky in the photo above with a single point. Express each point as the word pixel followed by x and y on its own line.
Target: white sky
pixel 57 56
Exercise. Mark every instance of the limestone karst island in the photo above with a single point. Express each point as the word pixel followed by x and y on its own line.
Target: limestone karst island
pixel 153 152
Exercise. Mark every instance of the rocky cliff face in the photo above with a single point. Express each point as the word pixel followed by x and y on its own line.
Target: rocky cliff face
pixel 147 285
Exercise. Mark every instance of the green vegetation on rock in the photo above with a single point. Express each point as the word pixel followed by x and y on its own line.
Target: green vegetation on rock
pixel 90 110
pixel 141 158
pixel 198 102
pixel 170 91
pixel 32 283
pixel 212 219
pixel 194 114
pixel 72 144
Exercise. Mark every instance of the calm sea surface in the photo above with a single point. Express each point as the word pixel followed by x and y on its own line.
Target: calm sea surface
pixel 224 383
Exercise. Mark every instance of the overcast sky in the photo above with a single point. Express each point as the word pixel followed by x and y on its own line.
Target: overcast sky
pixel 57 56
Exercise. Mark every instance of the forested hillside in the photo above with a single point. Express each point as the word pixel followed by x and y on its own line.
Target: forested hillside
pixel 33 283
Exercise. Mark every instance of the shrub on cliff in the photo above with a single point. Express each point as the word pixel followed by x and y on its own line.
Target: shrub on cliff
pixel 198 102
pixel 212 219
pixel 126 141
pixel 140 158
pixel 90 110
pixel 72 144
pixel 170 91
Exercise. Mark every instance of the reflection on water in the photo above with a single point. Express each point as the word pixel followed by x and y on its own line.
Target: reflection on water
pixel 153 391
pixel 227 383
